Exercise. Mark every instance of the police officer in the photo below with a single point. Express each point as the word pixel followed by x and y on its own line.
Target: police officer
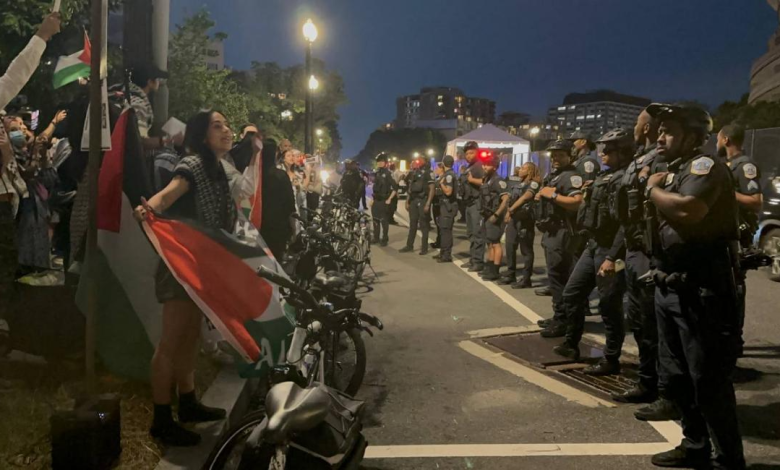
pixel 747 184
pixel 696 295
pixel 494 195
pixel 556 212
pixel 524 185
pixel 435 207
pixel 418 203
pixel 448 208
pixel 472 182
pixel 584 156
pixel 352 185
pixel 629 209
pixel 385 191
pixel 597 265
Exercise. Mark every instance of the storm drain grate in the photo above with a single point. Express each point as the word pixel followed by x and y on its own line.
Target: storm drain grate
pixel 532 349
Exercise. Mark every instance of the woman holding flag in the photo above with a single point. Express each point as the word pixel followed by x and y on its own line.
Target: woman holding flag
pixel 200 190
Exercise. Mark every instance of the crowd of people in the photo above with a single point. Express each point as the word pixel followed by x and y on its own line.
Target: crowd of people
pixel 649 218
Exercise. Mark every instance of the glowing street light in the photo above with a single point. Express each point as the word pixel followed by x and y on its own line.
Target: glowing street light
pixel 430 152
pixel 534 133
pixel 310 31
pixel 319 132
pixel 313 83
pixel 416 154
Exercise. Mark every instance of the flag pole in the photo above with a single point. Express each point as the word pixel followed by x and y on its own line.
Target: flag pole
pixel 93 169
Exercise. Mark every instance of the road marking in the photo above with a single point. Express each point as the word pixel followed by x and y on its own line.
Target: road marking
pixel 537 378
pixel 505 296
pixel 503 331
pixel 514 450
pixel 670 430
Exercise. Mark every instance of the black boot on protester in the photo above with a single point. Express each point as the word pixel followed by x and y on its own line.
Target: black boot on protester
pixel 602 368
pixel 660 410
pixel 680 457
pixel 568 351
pixel 169 432
pixel 193 411
pixel 636 394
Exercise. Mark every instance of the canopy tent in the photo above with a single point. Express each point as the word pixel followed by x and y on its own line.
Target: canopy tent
pixel 491 137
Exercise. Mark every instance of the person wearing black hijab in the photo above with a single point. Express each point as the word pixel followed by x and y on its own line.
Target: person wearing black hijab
pixel 278 202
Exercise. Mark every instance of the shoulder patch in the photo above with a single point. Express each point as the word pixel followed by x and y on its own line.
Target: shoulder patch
pixel 449 178
pixel 750 171
pixel 576 181
pixel 702 166
pixel 502 184
pixel 669 179
pixel 589 167
pixel 534 185
pixel 752 186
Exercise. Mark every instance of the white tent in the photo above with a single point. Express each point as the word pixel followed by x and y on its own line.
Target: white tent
pixel 491 137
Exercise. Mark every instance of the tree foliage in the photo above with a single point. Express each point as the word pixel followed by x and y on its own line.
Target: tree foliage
pixel 193 87
pixel 760 115
pixel 402 143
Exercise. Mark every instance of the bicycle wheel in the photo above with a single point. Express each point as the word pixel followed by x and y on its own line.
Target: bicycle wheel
pixel 345 361
pixel 227 454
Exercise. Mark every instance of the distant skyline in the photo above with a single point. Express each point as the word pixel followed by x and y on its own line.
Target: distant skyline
pixel 525 55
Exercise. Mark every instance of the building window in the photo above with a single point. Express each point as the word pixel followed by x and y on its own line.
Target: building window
pixel 562 108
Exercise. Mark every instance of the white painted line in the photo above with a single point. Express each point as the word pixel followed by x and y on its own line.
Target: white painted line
pixel 670 430
pixel 505 296
pixel 537 378
pixel 503 331
pixel 514 450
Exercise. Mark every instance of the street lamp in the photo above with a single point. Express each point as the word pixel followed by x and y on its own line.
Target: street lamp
pixel 416 154
pixel 319 132
pixel 534 133
pixel 430 152
pixel 310 34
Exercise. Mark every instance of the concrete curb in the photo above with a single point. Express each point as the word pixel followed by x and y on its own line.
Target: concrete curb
pixel 230 392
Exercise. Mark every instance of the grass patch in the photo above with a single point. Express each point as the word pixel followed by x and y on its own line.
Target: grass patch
pixel 30 393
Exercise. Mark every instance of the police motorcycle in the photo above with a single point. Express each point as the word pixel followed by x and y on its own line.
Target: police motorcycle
pixel 308 421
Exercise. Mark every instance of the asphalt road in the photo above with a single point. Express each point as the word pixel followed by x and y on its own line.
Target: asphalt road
pixel 439 399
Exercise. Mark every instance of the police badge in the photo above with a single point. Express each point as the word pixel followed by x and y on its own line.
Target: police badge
pixel 589 167
pixel 702 166
pixel 750 171
pixel 576 181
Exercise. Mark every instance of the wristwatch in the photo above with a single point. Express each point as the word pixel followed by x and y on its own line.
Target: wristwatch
pixel 648 190
pixel 554 196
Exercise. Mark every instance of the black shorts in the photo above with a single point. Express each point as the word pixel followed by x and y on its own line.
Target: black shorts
pixel 166 287
pixel 494 232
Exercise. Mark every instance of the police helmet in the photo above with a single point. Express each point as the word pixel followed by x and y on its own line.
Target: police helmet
pixel 471 145
pixel 382 157
pixel 560 144
pixel 448 161
pixel 692 118
pixel 619 136
pixel 580 135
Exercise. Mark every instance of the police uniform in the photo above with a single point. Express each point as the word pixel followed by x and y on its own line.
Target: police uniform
pixel 474 228
pixel 419 182
pixel 493 189
pixel 628 207
pixel 520 231
pixel 384 186
pixel 588 166
pixel 448 210
pixel 353 187
pixel 557 225
pixel 696 308
pixel 601 227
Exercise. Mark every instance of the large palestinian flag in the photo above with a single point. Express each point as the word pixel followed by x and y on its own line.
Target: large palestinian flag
pixel 129 316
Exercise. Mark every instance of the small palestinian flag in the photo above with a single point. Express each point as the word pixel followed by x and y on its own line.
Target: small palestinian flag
pixel 71 68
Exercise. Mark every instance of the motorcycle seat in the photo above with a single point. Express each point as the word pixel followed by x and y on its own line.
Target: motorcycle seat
pixel 292 409
pixel 330 281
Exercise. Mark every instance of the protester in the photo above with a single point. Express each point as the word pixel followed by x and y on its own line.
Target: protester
pixel 23 66
pixel 279 203
pixel 199 190
pixel 145 80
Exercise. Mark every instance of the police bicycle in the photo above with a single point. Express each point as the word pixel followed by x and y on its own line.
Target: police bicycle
pixel 296 403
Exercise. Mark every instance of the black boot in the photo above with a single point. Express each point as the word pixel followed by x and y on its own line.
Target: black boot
pixel 169 432
pixel 638 394
pixel 568 351
pixel 491 273
pixel 660 410
pixel 554 330
pixel 193 411
pixel 680 457
pixel 507 278
pixel 523 284
pixel 604 367
pixel 543 291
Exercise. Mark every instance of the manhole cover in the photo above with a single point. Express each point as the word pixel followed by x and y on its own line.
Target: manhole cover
pixel 607 385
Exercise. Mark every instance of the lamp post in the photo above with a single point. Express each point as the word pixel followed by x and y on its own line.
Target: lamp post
pixel 534 133
pixel 310 34
pixel 314 84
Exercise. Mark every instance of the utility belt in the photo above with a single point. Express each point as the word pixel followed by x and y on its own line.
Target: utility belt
pixel 549 225
pixel 470 201
pixel 419 195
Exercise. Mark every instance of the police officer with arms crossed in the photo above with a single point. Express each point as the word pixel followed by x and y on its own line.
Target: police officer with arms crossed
pixel 418 203
pixel 629 209
pixel 747 184
pixel 476 232
pixel 385 190
pixel 584 158
pixel 520 224
pixel 447 187
pixel 493 200
pixel 696 295
pixel 596 266
pixel 556 213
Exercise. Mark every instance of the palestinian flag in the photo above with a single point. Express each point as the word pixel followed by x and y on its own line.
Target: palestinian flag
pixel 71 68
pixel 219 272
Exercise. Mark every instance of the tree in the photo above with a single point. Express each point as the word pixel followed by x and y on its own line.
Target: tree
pixel 193 87
pixel 760 115
pixel 402 143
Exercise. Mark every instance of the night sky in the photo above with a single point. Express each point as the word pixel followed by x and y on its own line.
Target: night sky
pixel 526 55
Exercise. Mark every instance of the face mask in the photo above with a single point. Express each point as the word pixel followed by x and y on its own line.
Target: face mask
pixel 17 138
